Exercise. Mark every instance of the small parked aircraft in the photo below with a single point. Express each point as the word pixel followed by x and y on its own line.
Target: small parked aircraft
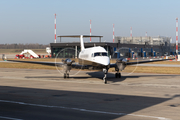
pixel 95 57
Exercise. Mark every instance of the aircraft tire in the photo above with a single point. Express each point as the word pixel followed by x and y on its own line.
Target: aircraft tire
pixel 67 75
pixel 116 75
pixel 64 75
pixel 119 75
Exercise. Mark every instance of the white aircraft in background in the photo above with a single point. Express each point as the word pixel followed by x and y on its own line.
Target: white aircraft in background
pixel 96 57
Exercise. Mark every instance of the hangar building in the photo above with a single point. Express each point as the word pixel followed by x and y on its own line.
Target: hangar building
pixel 126 47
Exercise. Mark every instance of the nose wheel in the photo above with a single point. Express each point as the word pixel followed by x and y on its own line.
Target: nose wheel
pixel 105 70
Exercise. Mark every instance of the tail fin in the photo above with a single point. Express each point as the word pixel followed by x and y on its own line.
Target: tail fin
pixel 82 42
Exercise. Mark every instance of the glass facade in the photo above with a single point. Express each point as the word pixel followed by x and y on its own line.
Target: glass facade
pixel 71 50
pixel 65 52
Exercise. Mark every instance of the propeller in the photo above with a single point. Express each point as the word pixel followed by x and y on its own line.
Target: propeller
pixel 64 62
pixel 121 63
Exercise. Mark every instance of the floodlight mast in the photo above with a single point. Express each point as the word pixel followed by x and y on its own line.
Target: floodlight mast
pixel 131 32
pixel 176 36
pixel 55 29
pixel 113 33
pixel 90 30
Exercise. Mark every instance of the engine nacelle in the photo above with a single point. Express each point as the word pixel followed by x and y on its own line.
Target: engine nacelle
pixel 121 64
pixel 68 61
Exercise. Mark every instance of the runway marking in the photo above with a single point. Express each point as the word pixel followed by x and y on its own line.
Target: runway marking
pixel 84 110
pixel 9 118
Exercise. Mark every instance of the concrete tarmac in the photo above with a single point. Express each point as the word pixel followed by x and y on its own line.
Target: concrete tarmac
pixel 158 65
pixel 27 94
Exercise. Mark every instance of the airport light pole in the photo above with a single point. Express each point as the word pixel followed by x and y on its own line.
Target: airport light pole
pixel 90 30
pixel 176 36
pixel 131 32
pixel 55 29
pixel 113 33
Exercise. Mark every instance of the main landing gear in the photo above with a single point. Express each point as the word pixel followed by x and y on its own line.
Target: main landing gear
pixel 118 74
pixel 66 70
pixel 66 75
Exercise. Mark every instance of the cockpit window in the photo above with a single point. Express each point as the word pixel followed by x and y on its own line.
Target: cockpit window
pixel 104 54
pixel 100 54
pixel 96 54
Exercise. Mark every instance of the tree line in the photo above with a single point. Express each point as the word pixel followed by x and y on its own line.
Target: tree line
pixel 23 46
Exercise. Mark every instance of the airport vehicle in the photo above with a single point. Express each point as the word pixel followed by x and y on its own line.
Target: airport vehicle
pixel 27 51
pixel 4 58
pixel 95 57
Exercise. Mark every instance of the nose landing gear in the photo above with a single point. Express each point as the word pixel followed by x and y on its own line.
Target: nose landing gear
pixel 105 70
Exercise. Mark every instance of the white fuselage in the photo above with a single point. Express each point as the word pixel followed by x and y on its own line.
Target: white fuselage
pixel 94 56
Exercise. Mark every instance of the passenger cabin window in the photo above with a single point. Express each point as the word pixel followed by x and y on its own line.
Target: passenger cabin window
pixel 100 54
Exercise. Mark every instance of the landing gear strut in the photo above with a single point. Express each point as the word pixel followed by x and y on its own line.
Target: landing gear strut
pixel 118 74
pixel 66 75
pixel 105 70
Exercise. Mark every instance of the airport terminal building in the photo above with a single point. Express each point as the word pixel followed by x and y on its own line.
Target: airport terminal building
pixel 126 47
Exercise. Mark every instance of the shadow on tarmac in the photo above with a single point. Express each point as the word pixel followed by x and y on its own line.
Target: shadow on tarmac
pixel 70 99
pixel 110 76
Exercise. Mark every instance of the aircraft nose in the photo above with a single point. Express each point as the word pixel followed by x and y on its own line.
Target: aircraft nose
pixel 105 61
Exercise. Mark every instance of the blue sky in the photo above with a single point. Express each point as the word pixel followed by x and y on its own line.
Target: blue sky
pixel 32 21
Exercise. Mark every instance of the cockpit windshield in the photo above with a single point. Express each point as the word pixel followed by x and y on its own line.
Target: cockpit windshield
pixel 100 54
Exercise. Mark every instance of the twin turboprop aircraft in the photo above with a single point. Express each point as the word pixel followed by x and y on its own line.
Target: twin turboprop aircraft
pixel 96 57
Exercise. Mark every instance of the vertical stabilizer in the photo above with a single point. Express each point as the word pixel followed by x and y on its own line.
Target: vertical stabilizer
pixel 82 42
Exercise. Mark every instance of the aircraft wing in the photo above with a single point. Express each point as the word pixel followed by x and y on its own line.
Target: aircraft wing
pixel 74 65
pixel 148 61
pixel 139 62
pixel 37 62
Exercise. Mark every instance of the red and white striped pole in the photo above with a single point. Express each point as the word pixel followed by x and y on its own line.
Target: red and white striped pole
pixel 90 30
pixel 146 34
pixel 131 32
pixel 55 29
pixel 113 33
pixel 176 36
